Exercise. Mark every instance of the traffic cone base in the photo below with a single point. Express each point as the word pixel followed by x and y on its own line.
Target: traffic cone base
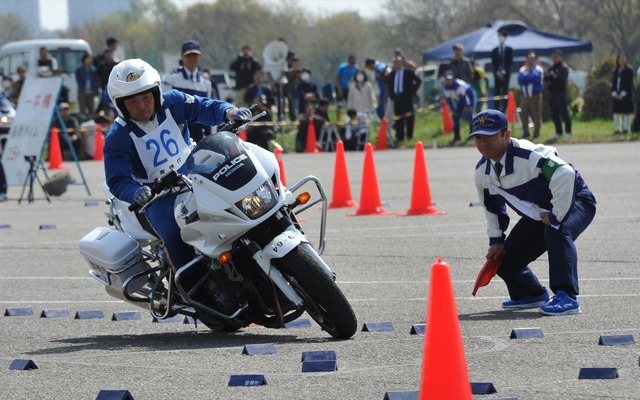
pixel 370 203
pixel 444 366
pixel 421 194
pixel 341 195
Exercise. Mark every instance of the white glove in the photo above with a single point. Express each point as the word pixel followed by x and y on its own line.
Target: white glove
pixel 142 195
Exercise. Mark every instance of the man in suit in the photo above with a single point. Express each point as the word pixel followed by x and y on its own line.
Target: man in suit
pixel 402 85
pixel 501 59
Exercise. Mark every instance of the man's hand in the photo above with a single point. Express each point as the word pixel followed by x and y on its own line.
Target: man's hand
pixel 545 218
pixel 240 114
pixel 142 195
pixel 495 251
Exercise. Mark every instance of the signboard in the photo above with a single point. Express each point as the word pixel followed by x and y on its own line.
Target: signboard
pixel 30 128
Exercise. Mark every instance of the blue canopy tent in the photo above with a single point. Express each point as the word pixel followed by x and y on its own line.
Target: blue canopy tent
pixel 479 43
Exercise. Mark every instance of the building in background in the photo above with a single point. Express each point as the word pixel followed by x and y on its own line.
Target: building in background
pixel 83 11
pixel 27 10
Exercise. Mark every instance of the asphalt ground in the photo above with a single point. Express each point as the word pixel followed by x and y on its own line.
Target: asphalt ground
pixel 383 265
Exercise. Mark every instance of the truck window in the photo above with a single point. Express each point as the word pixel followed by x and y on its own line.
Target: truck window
pixel 68 60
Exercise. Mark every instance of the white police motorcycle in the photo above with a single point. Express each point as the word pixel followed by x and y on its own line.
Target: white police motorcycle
pixel 252 261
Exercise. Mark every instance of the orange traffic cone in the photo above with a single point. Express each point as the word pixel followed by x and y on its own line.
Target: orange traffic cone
pixel 278 154
pixel 341 195
pixel 511 107
pixel 381 143
pixel 421 195
pixel 98 154
pixel 444 367
pixel 447 122
pixel 243 135
pixel 312 144
pixel 370 195
pixel 55 154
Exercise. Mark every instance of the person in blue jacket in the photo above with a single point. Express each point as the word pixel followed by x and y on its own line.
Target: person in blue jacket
pixel 530 78
pixel 150 138
pixel 461 99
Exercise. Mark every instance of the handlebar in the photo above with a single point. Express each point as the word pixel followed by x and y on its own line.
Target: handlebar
pixel 169 180
pixel 234 126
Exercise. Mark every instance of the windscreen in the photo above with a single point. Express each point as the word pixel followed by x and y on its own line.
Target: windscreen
pixel 222 158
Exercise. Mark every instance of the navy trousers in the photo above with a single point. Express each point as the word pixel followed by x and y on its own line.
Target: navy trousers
pixel 160 216
pixel 529 239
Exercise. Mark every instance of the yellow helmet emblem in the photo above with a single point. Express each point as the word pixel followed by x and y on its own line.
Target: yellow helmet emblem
pixel 481 120
pixel 132 76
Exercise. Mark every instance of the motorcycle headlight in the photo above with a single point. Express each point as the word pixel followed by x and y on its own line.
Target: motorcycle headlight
pixel 258 202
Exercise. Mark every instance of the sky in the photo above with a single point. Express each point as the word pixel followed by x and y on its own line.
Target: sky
pixel 56 10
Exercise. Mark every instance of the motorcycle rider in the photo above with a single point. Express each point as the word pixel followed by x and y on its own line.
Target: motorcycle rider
pixel 150 138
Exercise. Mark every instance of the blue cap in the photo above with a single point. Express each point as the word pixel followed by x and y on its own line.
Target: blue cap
pixel 191 46
pixel 489 123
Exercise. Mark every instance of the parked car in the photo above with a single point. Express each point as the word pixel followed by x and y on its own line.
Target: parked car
pixel 7 114
pixel 225 81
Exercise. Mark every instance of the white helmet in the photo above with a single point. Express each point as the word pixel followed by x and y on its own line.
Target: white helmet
pixel 131 77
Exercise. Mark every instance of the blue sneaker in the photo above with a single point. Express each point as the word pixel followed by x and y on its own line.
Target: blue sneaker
pixel 561 304
pixel 527 302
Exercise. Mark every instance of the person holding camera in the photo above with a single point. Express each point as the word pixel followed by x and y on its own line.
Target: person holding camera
pixel 261 95
pixel 556 79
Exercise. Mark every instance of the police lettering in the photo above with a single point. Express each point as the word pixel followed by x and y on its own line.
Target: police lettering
pixel 229 166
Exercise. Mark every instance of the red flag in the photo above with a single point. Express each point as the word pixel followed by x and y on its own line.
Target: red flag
pixel 487 272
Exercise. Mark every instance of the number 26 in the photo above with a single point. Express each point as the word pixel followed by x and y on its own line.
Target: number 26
pixel 169 145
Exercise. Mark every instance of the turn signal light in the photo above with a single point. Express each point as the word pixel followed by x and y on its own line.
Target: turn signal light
pixel 303 198
pixel 224 258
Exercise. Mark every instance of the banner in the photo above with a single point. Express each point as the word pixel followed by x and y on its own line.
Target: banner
pixel 30 128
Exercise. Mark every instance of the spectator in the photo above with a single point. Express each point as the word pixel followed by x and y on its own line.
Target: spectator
pixel 190 80
pixel 501 60
pixel 356 131
pixel 112 47
pixel 556 80
pixel 87 80
pixel 622 91
pixel 461 66
pixel 262 96
pixel 361 96
pixel 380 73
pixel 46 64
pixel 71 133
pixel 307 90
pixel 408 64
pixel 461 99
pixel 344 74
pixel 402 84
pixel 88 130
pixel 293 79
pixel 323 109
pixel 104 70
pixel 16 88
pixel 245 67
pixel 530 80
pixel 63 97
pixel 310 116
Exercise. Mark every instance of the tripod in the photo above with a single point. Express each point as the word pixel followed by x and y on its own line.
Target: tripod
pixel 31 177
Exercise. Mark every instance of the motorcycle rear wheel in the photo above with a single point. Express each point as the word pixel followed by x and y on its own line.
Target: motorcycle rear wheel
pixel 324 301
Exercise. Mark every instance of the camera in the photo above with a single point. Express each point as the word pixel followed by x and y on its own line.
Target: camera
pixel 30 159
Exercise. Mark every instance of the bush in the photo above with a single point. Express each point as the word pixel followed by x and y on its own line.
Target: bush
pixel 597 94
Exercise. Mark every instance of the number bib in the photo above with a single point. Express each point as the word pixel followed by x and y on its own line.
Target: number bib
pixel 163 149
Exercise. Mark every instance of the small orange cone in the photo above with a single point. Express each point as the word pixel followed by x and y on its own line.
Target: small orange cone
pixel 381 143
pixel 447 122
pixel 278 154
pixel 98 154
pixel 511 107
pixel 243 135
pixel 55 154
pixel 370 195
pixel 312 144
pixel 421 195
pixel 444 367
pixel 341 195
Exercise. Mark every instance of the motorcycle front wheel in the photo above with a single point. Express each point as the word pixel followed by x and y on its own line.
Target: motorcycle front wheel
pixel 324 301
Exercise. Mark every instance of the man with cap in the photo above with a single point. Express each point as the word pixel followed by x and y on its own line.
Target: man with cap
pixel 501 61
pixel 245 68
pixel 555 206
pixel 461 66
pixel 189 79
pixel 71 128
pixel 461 99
